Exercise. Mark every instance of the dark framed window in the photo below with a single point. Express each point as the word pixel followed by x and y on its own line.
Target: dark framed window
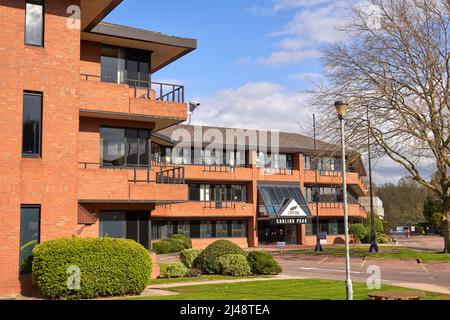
pixel 125 147
pixel 30 225
pixel 34 22
pixel 32 124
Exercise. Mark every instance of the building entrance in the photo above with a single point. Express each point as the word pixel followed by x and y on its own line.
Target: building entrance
pixel 269 234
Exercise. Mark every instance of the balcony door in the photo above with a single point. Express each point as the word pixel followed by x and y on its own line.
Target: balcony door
pixel 126 225
pixel 124 65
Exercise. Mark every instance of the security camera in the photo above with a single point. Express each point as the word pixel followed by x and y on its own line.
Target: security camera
pixel 193 105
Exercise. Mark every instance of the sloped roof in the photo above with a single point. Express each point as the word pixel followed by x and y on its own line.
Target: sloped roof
pixel 289 142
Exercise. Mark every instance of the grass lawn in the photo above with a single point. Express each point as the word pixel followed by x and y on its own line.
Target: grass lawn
pixel 386 252
pixel 310 289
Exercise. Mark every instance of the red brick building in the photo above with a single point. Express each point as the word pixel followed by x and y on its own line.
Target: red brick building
pixel 88 146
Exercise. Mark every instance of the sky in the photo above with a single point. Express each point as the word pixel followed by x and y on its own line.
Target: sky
pixel 255 61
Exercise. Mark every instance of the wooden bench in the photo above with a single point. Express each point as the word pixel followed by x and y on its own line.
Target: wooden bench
pixel 396 295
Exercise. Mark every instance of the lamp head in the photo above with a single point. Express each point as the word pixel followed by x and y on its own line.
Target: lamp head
pixel 341 109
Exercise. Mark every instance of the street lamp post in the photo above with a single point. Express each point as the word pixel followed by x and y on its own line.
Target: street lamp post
pixel 317 194
pixel 373 233
pixel 342 109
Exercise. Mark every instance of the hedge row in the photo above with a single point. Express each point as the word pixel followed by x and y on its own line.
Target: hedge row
pixel 175 243
pixel 75 268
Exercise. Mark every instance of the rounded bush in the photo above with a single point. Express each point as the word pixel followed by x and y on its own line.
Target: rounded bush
pixel 188 256
pixel 175 245
pixel 263 263
pixel 162 247
pixel 234 265
pixel 177 270
pixel 208 259
pixel 75 268
pixel 187 242
pixel 358 232
pixel 383 238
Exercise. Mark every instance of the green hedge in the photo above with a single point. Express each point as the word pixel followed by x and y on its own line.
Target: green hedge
pixel 263 263
pixel 188 256
pixel 358 232
pixel 107 267
pixel 175 243
pixel 234 265
pixel 187 242
pixel 177 270
pixel 208 259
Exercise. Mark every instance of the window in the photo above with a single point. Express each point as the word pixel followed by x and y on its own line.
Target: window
pixel 222 229
pixel 30 218
pixel 239 229
pixel 125 147
pixel 32 124
pixel 124 65
pixel 34 23
pixel 206 229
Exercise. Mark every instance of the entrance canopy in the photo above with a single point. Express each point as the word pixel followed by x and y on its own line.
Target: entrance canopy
pixel 283 203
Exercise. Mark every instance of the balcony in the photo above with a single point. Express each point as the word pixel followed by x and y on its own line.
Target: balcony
pixel 205 210
pixel 130 184
pixel 335 177
pixel 136 100
pixel 215 172
pixel 331 210
pixel 278 174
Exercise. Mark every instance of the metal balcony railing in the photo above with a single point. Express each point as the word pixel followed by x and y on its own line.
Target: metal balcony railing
pixel 219 205
pixel 171 176
pixel 144 89
pixel 278 171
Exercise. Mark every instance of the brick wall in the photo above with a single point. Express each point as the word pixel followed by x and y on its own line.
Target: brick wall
pixel 52 180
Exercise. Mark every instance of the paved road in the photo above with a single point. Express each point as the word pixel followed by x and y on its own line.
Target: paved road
pixel 435 276
pixel 435 243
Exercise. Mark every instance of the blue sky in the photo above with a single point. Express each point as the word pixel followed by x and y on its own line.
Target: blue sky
pixel 232 36
pixel 255 58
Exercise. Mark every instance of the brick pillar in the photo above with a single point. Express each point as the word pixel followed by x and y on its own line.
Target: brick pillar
pixel 156 272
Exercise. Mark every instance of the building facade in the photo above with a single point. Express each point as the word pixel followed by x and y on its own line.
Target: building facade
pixel 88 147
pixel 378 207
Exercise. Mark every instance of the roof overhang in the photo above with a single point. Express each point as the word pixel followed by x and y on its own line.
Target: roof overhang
pixel 165 49
pixel 92 12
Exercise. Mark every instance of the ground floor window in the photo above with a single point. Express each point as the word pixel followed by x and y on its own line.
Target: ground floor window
pixel 200 229
pixel 126 225
pixel 30 220
pixel 332 227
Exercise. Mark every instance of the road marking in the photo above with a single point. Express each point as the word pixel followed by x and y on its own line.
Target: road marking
pixel 329 270
pixel 424 268
pixel 364 262
pixel 323 260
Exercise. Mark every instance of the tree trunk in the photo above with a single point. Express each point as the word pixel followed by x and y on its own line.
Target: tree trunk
pixel 446 225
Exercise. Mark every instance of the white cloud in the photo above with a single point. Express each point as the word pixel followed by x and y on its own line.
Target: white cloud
pixel 288 57
pixel 261 105
pixel 315 24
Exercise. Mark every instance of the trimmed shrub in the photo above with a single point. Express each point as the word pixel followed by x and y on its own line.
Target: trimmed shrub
pixel 187 242
pixel 162 247
pixel 383 238
pixel 194 273
pixel 175 243
pixel 358 232
pixel 208 259
pixel 263 263
pixel 234 265
pixel 107 267
pixel 177 270
pixel 188 256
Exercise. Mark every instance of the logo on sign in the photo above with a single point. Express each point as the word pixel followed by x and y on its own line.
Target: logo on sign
pixel 293 209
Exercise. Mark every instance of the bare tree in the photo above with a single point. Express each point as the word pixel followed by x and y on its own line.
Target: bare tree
pixel 395 64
